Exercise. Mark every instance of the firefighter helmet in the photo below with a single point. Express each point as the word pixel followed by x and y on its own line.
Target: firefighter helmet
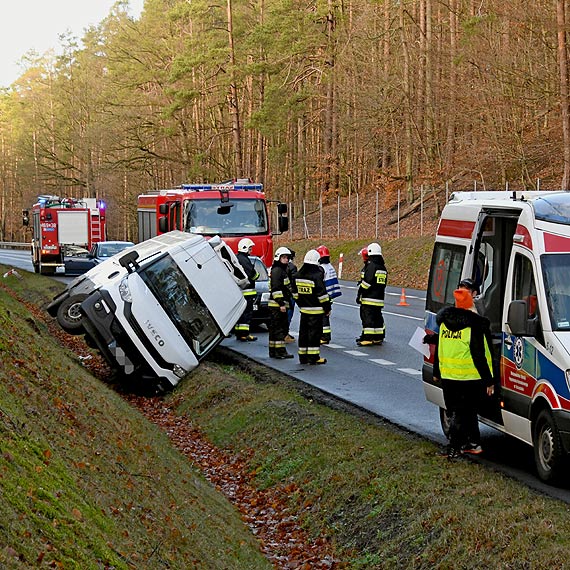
pixel 281 251
pixel 364 253
pixel 374 249
pixel 312 257
pixel 323 251
pixel 244 245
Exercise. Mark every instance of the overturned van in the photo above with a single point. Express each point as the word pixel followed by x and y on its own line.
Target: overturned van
pixel 516 247
pixel 156 309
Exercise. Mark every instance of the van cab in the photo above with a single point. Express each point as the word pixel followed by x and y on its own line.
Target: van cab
pixel 516 247
pixel 156 310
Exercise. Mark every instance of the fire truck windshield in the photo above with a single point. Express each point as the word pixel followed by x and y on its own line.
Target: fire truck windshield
pixel 245 217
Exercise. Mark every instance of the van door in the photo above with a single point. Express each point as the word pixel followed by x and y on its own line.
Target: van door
pixel 521 354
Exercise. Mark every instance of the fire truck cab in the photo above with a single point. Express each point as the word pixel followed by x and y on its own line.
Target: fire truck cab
pixel 60 222
pixel 516 247
pixel 233 210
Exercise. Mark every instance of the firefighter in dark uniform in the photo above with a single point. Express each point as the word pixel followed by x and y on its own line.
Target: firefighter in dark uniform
pixel 279 303
pixel 464 364
pixel 313 302
pixel 370 297
pixel 242 327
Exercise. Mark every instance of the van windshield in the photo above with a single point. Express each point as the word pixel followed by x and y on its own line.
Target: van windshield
pixel 245 217
pixel 555 270
pixel 554 208
pixel 182 304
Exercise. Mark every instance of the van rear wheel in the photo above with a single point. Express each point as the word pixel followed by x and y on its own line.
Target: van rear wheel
pixel 445 420
pixel 548 454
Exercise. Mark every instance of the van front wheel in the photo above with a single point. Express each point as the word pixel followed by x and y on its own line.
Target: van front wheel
pixel 548 455
pixel 445 421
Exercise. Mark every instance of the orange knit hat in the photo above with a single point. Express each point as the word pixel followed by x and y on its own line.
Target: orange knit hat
pixel 463 298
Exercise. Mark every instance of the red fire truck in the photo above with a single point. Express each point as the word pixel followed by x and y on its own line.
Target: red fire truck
pixel 233 210
pixel 61 222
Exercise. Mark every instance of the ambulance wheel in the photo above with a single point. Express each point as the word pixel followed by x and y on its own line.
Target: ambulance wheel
pixel 548 454
pixel 445 421
pixel 69 315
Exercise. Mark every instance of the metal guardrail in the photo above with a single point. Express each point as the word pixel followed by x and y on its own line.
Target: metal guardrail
pixel 15 245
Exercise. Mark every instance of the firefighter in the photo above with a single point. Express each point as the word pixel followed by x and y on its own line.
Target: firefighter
pixel 279 303
pixel 314 302
pixel 364 254
pixel 292 273
pixel 241 329
pixel 370 297
pixel 332 287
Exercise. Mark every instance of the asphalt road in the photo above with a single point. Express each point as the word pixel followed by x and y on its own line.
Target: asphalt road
pixel 384 380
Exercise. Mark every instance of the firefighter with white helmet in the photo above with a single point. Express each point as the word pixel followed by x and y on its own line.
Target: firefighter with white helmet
pixel 370 297
pixel 314 302
pixel 245 247
pixel 279 303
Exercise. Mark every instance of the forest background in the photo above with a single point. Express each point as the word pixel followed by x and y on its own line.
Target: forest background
pixel 326 102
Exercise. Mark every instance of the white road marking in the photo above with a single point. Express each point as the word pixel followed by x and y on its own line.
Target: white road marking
pixel 382 361
pixel 330 345
pixel 355 353
pixel 410 371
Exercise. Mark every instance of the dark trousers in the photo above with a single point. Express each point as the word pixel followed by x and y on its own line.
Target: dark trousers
pixel 372 323
pixel 278 329
pixel 309 341
pixel 462 400
pixel 242 326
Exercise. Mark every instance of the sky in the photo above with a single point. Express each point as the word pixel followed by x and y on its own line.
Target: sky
pixel 37 25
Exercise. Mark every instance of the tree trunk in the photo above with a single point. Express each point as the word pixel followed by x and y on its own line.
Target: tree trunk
pixel 233 101
pixel 564 102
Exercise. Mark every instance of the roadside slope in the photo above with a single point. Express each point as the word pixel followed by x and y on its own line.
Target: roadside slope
pixel 85 480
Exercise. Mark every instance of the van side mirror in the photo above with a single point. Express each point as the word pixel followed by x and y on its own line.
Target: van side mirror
pixel 25 217
pixel 281 208
pixel 163 224
pixel 163 209
pixel 517 319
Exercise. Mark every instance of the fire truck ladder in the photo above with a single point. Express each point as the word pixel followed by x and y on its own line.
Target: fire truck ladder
pixel 96 228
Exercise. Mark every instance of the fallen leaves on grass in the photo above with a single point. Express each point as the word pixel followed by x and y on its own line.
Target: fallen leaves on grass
pixel 276 526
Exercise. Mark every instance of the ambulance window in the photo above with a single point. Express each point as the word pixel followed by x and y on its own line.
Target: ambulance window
pixel 446 267
pixel 555 270
pixel 524 289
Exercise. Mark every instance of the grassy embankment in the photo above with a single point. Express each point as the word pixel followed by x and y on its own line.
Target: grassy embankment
pixel 85 481
pixel 85 478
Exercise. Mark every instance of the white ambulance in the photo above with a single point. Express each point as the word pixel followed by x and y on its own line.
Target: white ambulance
pixel 516 247
pixel 155 310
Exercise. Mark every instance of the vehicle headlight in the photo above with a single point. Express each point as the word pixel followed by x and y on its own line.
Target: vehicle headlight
pixel 124 290
pixel 179 371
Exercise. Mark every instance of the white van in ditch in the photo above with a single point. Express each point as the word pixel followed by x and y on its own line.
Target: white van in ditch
pixel 516 247
pixel 156 309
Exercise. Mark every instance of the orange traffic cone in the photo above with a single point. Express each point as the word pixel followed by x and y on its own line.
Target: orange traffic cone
pixel 403 302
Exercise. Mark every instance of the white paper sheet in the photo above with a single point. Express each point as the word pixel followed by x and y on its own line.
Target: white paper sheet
pixel 416 342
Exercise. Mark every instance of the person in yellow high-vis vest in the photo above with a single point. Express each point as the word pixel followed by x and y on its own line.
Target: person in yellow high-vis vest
pixel 464 364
